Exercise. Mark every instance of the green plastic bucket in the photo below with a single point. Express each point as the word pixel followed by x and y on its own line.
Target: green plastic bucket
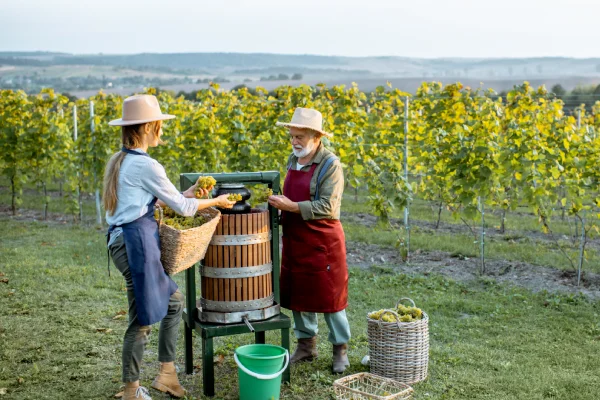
pixel 259 370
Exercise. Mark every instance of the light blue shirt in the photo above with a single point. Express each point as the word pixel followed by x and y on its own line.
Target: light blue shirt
pixel 140 180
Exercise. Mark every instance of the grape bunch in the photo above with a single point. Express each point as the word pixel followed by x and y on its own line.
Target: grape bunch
pixel 179 222
pixel 407 314
pixel 234 197
pixel 260 196
pixel 205 182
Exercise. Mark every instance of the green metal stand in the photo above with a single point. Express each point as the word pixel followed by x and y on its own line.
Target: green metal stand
pixel 209 331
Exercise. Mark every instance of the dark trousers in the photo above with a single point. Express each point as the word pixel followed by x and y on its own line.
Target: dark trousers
pixel 136 335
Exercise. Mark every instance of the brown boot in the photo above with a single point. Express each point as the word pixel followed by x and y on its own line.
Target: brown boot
pixel 340 358
pixel 136 393
pixel 166 381
pixel 306 350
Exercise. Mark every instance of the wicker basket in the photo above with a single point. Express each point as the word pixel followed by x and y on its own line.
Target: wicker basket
pixel 179 250
pixel 399 350
pixel 365 386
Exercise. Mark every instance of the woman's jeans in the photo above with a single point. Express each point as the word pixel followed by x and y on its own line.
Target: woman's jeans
pixel 136 336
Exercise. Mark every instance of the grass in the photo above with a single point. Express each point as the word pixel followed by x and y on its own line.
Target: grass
pixel 61 330
pixel 522 220
pixel 32 199
pixel 528 250
pixel 421 210
pixel 522 242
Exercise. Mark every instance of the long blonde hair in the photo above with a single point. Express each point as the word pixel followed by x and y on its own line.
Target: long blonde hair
pixel 132 138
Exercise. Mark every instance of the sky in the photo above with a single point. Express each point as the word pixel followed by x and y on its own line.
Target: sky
pixel 418 28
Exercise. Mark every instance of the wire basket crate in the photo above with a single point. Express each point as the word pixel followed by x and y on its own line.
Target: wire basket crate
pixel 366 386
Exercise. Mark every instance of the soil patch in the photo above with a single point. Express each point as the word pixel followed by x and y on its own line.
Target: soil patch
pixel 461 229
pixel 533 277
pixel 28 215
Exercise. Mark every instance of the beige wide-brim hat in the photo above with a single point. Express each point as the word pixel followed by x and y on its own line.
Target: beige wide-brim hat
pixel 140 109
pixel 306 118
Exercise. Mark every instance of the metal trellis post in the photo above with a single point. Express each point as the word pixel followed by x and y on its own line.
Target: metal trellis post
pixel 80 205
pixel 406 209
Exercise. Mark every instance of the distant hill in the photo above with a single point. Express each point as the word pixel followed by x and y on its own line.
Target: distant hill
pixel 256 62
pixel 30 54
pixel 77 72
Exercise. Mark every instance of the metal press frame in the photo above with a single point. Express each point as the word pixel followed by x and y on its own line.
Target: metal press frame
pixel 208 331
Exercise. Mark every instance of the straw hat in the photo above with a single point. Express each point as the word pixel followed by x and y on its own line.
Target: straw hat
pixel 140 109
pixel 306 118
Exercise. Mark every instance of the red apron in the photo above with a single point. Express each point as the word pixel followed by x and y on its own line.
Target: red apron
pixel 314 273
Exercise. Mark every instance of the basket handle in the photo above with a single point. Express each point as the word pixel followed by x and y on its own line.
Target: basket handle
pixel 160 213
pixel 394 313
pixel 405 298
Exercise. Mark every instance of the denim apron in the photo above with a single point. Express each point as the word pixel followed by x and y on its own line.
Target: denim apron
pixel 152 286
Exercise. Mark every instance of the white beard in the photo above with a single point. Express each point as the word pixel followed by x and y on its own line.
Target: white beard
pixel 304 151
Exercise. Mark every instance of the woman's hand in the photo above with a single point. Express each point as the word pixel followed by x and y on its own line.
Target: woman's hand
pixel 191 192
pixel 224 202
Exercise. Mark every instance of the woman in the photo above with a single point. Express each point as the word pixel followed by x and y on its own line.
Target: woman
pixel 133 184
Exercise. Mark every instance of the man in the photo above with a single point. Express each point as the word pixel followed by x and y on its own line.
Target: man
pixel 314 273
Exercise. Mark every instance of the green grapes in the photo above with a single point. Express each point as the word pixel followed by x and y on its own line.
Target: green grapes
pixel 261 195
pixel 406 318
pixel 376 314
pixel 179 222
pixel 204 182
pixel 406 314
pixel 386 318
pixel 234 197
pixel 414 312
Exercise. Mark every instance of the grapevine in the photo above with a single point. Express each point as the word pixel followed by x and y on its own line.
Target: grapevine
pixel 465 148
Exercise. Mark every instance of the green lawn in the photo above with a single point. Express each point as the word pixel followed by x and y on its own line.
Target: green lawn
pixel 521 219
pixel 61 330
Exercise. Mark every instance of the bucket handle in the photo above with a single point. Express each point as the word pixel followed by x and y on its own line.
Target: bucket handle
pixel 260 376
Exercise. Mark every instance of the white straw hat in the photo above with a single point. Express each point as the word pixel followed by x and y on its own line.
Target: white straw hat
pixel 140 109
pixel 306 118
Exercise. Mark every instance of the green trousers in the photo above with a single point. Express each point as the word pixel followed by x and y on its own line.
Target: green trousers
pixel 136 336
pixel 307 326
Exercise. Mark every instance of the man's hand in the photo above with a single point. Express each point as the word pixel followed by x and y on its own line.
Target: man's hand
pixel 282 203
